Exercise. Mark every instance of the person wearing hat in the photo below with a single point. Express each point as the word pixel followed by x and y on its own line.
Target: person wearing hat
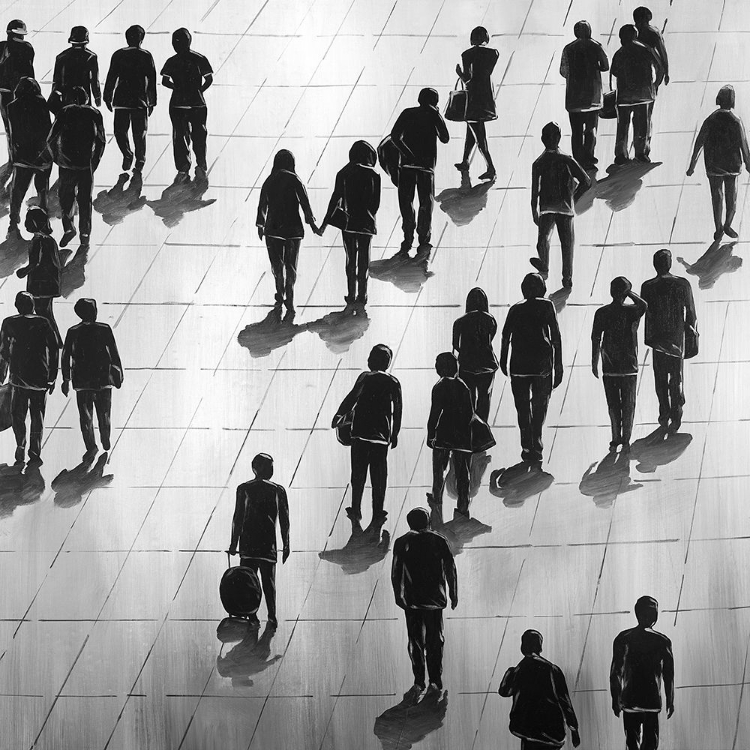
pixel 76 66
pixel 130 89
pixel 91 361
pixel 188 74
pixel 16 62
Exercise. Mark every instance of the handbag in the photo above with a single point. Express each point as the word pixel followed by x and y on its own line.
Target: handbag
pixel 343 426
pixel 609 108
pixel 455 109
pixel 481 435
pixel 691 342
pixel 389 158
pixel 5 396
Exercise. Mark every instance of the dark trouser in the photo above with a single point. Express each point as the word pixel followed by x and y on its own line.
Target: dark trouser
pixel 424 183
pixel 668 383
pixel 283 255
pixel 189 125
pixel 25 400
pixel 532 745
pixel 461 468
pixel 101 400
pixel 267 572
pixel 620 392
pixel 357 247
pixel 641 730
pixel 372 456
pixel 43 307
pixel 22 177
pixel 425 630
pixel 721 186
pixel 480 386
pixel 531 395
pixel 6 97
pixel 583 127
pixel 137 119
pixel 641 114
pixel 76 186
pixel 564 224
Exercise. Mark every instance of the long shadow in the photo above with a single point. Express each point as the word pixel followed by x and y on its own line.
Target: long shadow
pixel 118 202
pixel 460 531
pixel 409 722
pixel 519 482
pixel 479 464
pixel 71 485
pixel 659 449
pixel 14 253
pixel 271 333
pixel 713 264
pixel 610 478
pixel 251 656
pixel 179 198
pixel 73 274
pixel 408 273
pixel 464 203
pixel 619 189
pixel 366 547
pixel 19 487
pixel 339 330
pixel 560 299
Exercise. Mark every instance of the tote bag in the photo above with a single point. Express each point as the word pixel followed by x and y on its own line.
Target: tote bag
pixel 455 110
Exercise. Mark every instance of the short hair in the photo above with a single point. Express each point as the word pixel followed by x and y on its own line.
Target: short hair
pixel 418 519
pixel 647 609
pixel 628 33
pixel 619 287
pixel 642 15
pixel 37 220
pixel 531 642
pixel 551 134
pixel 582 30
pixel 479 35
pixel 428 97
pixel 135 35
pixel 380 357
pixel 262 465
pixel 446 365
pixel 725 97
pixel 533 286
pixel 76 95
pixel 181 39
pixel 27 86
pixel 24 303
pixel 85 309
pixel 662 260
pixel 363 153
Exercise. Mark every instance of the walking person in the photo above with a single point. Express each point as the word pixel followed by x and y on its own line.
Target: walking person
pixel 75 67
pixel 541 702
pixel 641 659
pixel 415 134
pixel 472 344
pixel 29 356
pixel 723 141
pixel 671 312
pixel 130 89
pixel 188 74
pixel 281 197
pixel 29 123
pixel 581 65
pixel 76 143
pixel 477 64
pixel 91 361
pixel 532 335
pixel 557 182
pixel 374 406
pixel 352 208
pixel 654 40
pixel 260 504
pixel 16 62
pixel 423 568
pixel 614 335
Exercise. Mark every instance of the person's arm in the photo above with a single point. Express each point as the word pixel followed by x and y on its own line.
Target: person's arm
pixel 456 337
pixel 451 577
pixel 603 61
pixel 166 75
pixel 376 195
pixel 615 675
pixel 664 58
pixel 350 400
pixel 336 197
pixel 668 675
pixel 505 346
pixel 304 202
pixel 508 684
pixel 114 354
pixel 743 146
pixel 151 94
pixel 167 82
pixel 54 357
pixel 260 218
pixel 690 317
pixel 397 136
pixel 100 142
pixel 556 341
pixel 95 90
pixel 464 71
pixel 564 66
pixel 54 135
pixel 535 193
pixel 596 343
pixel 208 74
pixel 398 406
pixel 442 128
pixel 109 83
pixel 283 505
pixel 67 361
pixel 5 347
pixel 638 302
pixel 238 518
pixel 563 697
pixel 700 141
pixel 57 76
pixel 436 409
pixel 397 576
pixel 614 70
pixel 579 174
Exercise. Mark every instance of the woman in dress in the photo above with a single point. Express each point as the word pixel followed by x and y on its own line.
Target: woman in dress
pixel 478 63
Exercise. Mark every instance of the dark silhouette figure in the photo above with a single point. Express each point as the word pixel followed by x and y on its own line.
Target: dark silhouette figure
pixel 422 568
pixel 71 485
pixel 659 449
pixel 340 329
pixel 477 64
pixel 29 355
pixel 352 208
pixel 373 407
pixel 723 141
pixel 652 38
pixel 459 531
pixel 464 203
pixel 581 65
pixel 29 125
pixel 604 481
pixel 541 703
pixel 619 189
pixel 77 142
pixel 181 197
pixel 408 273
pixel 536 367
pixel 260 503
pixel 472 343
pixel 188 74
pixel 16 62
pixel 130 90
pixel 671 311
pixel 75 67
pixel 365 548
pixel 91 361
pixel 278 220
pixel 518 482
pixel 554 177
pixel 415 134
pixel 407 723
pixel 713 264
pixel 614 335
pixel 19 486
pixel 251 656
pixel 641 658
pixel 269 334
pixel 120 201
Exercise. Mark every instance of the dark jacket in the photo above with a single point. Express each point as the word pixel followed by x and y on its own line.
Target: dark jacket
pixel 634 66
pixel 670 309
pixel 357 191
pixel 416 134
pixel 131 80
pixel 473 334
pixel 89 354
pixel 77 138
pixel 30 124
pixel 554 180
pixel 29 346
pixel 582 64
pixel 532 330
pixel 259 504
pixel 16 62
pixel 724 143
pixel 449 423
pixel 187 70
pixel 44 272
pixel 281 197
pixel 376 401
pixel 77 66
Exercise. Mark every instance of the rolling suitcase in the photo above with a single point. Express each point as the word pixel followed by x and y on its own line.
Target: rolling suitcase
pixel 240 591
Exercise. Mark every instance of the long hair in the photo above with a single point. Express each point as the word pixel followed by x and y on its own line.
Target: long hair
pixel 284 159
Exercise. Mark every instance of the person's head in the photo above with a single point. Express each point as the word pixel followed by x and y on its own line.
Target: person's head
pixel 628 33
pixel 619 288
pixel 725 97
pixel 85 309
pixel 134 35
pixel 662 261
pixel 37 221
pixel 363 153
pixel 646 611
pixel 479 36
pixel 24 303
pixel 17 29
pixel 27 86
pixel 642 16
pixel 582 30
pixel 418 519
pixel 551 135
pixel 284 159
pixel 533 286
pixel 476 301
pixel 76 95
pixel 263 466
pixel 79 36
pixel 181 40
pixel 531 642
pixel 380 358
pixel 446 365
pixel 428 98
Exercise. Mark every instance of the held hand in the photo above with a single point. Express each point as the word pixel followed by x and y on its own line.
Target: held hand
pixel 691 170
pixel 285 555
pixel 558 378
pixel 616 709
pixel 260 233
pixel 670 711
pixel 575 738
pixel 535 215
pixel 459 72
pixel 65 387
pixel 394 441
pixel 51 388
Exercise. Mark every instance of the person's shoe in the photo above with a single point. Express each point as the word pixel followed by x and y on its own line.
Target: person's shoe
pixel 20 454
pixel 182 176
pixel 127 162
pixel 106 444
pixel 435 687
pixel 201 173
pixel 625 446
pixel 490 174
pixel 35 459
pixel 272 622
pixel 621 160
pixel 380 516
pixel 405 247
pixel 362 299
pixel 289 304
pixel 674 426
pixel 353 515
pixel 719 233
pixel 643 159
pixel 567 283
pixel 537 263
pixel 461 515
pixel 138 167
pixel 68 235
pixel 90 453
pixel 413 693
pixel 349 300
pixel 85 239
pixel 729 232
pixel 613 446
pixel 14 233
pixel 424 247
pixel 462 166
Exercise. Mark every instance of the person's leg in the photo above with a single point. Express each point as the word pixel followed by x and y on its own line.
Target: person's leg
pixel 18 187
pixel 676 393
pixel 415 630
pixel 360 459
pixel 122 125
pixel 730 186
pixel 199 133
pixel 378 477
pixel 614 406
pixel 641 119
pixel 275 248
pixel 268 580
pixel 434 643
pixel 576 135
pixel 291 255
pixel 407 184
pixel 350 249
pixel 469 144
pixel 470 379
pixel 462 470
pixel 649 126
pixel 180 138
pixel 67 195
pixel 440 458
pixel 541 390
pixel 363 265
pixel 483 384
pixel 661 384
pixel 84 197
pixel 480 134
pixel 139 124
pixel 628 389
pixel 37 406
pixel 650 731
pixel 621 138
pixel 103 404
pixel 41 184
pixel 590 127
pixel 546 224
pixel 85 401
pixel 521 388
pixel 716 184
pixel 567 244
pixel 19 406
pixel 426 194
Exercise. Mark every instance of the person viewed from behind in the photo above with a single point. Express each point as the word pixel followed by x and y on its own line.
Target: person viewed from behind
pixel 278 220
pixel 653 39
pixel 723 141
pixel 16 62
pixel 472 343
pixel 353 207
pixel 75 67
pixel 581 65
pixel 478 63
